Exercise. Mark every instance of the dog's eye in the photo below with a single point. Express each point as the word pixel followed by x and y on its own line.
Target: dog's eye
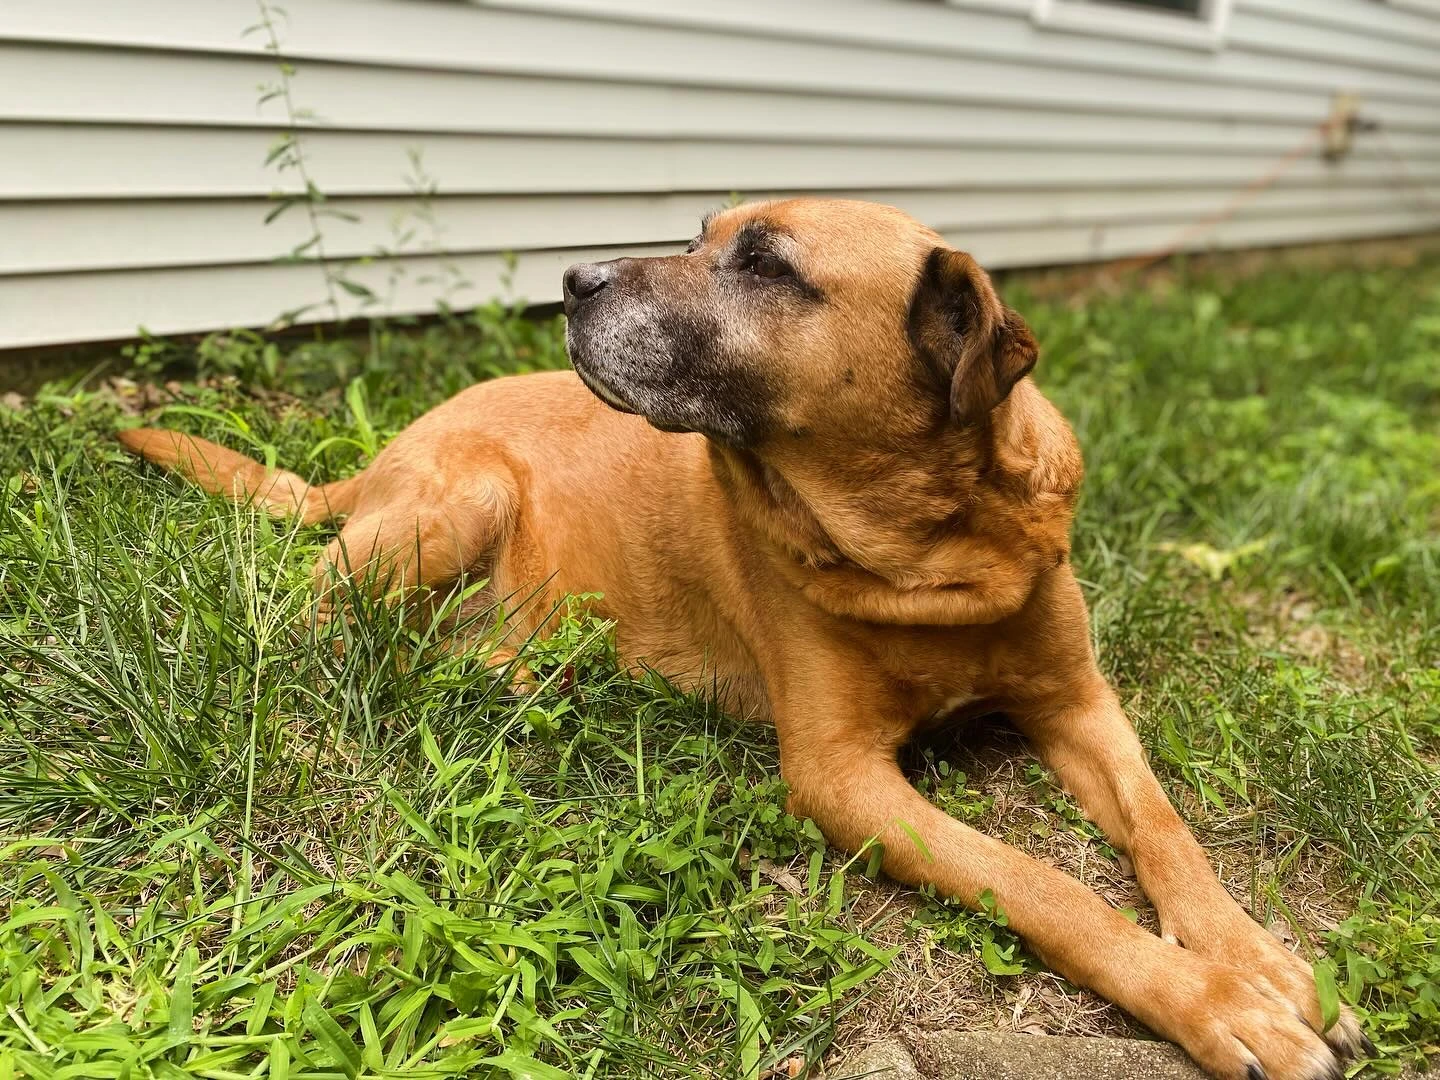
pixel 765 265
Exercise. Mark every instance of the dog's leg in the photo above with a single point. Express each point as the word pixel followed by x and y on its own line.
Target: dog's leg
pixel 383 554
pixel 1092 748
pixel 406 545
pixel 842 772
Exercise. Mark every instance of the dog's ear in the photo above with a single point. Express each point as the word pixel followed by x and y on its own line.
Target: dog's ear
pixel 965 336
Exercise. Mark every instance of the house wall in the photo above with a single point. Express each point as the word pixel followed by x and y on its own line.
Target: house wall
pixel 133 139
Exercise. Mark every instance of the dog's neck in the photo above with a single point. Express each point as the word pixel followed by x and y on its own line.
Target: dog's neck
pixel 922 513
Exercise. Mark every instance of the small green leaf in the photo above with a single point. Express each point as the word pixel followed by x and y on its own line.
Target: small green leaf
pixel 329 1034
pixel 354 288
pixel 35 915
pixel 524 1067
pixel 915 838
pixel 259 1012
pixel 413 819
pixel 373 1046
pixel 995 963
pixel 279 1060
pixel 469 990
pixel 589 963
pixel 749 1032
pixel 431 747
pixel 182 1000
pixel 1328 993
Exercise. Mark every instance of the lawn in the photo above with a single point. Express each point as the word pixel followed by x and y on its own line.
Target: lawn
pixel 228 849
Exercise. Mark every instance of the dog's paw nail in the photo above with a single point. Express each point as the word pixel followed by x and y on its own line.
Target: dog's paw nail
pixel 1255 1072
pixel 1367 1046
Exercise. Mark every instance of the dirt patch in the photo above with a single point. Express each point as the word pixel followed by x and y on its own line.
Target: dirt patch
pixel 1294 623
pixel 938 985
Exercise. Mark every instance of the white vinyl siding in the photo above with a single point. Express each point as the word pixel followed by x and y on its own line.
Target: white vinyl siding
pixel 133 189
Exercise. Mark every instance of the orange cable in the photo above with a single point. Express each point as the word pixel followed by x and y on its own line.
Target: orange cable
pixel 1246 194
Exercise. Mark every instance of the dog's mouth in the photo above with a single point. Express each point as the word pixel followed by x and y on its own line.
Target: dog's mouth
pixel 604 392
pixel 636 365
pixel 611 397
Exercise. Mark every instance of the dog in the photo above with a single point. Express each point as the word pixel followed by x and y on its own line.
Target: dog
pixel 804 466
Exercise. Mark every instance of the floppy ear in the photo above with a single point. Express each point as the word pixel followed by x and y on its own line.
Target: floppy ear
pixel 966 337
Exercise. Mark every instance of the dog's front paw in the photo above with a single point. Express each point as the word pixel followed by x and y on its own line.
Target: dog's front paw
pixel 1231 937
pixel 1239 1028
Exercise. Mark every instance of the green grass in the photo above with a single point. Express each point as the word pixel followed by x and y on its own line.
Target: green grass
pixel 228 851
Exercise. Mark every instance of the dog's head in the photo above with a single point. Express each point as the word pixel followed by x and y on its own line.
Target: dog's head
pixel 798 318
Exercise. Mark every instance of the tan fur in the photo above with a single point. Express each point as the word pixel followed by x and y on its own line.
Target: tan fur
pixel 871 562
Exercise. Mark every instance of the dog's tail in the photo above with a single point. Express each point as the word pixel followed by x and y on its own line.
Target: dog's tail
pixel 224 472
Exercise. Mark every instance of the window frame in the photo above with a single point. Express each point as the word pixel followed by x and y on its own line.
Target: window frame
pixel 1204 30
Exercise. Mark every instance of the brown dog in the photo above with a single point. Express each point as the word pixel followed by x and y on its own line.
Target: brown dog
pixel 856 526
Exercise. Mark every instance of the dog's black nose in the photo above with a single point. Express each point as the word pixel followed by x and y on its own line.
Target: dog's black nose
pixel 584 280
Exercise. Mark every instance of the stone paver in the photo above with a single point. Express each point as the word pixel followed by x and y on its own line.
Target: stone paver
pixel 991 1055
pixel 994 1055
